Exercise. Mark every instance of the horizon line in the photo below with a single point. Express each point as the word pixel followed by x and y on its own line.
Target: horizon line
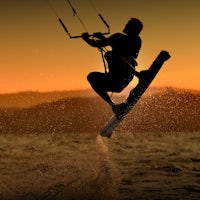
pixel 90 89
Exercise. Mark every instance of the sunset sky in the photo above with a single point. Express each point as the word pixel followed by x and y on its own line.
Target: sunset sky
pixel 37 55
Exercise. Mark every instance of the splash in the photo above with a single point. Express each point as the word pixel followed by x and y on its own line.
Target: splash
pixel 102 145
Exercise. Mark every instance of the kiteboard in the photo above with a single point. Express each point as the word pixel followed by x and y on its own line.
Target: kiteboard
pixel 144 81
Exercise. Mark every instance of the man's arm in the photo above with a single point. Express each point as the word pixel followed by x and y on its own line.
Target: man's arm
pixel 101 42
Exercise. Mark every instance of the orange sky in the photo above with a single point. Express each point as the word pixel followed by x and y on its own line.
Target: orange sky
pixel 36 54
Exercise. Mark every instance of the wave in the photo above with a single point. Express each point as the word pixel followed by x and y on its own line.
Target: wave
pixel 164 111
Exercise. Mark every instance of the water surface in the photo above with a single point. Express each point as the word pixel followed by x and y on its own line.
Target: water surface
pixel 87 166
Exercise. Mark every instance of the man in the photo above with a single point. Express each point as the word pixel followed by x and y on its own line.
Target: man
pixel 121 60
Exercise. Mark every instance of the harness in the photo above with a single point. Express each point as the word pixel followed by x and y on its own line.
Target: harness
pixel 103 51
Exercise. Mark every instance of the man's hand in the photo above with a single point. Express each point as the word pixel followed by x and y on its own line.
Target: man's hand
pixel 98 35
pixel 85 36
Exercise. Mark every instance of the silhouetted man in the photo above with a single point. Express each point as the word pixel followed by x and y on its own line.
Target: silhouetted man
pixel 121 60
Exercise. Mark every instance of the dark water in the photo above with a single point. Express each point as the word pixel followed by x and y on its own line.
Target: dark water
pixel 86 166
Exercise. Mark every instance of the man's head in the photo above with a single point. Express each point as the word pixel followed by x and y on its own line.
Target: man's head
pixel 133 27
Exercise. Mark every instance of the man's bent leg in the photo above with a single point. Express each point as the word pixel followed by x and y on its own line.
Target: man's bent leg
pixel 99 82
